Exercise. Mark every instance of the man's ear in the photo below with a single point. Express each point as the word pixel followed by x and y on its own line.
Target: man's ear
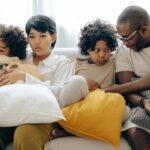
pixel 144 31
pixel 54 37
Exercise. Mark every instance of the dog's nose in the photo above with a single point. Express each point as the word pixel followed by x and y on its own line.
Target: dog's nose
pixel 3 66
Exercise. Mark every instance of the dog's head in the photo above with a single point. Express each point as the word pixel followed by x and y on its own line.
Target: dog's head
pixel 7 62
pixel 14 63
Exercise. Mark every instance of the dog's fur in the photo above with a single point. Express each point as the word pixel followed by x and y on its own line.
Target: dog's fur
pixel 15 63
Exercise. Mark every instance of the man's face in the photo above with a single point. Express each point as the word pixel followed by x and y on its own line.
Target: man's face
pixel 131 37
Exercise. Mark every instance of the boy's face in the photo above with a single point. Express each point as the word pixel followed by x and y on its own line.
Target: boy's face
pixel 100 55
pixel 4 50
pixel 41 42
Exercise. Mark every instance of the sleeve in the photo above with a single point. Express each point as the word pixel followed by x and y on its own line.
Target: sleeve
pixel 123 60
pixel 77 66
pixel 63 72
pixel 29 79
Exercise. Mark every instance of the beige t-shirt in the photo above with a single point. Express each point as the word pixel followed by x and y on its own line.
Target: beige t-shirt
pixel 129 60
pixel 104 75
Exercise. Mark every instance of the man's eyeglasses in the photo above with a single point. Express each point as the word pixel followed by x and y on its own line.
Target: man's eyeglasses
pixel 126 39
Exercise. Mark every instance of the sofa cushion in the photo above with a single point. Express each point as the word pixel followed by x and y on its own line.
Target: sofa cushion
pixel 78 143
pixel 22 104
pixel 71 53
pixel 98 116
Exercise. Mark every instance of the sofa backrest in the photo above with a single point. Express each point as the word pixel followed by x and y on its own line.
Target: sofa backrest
pixel 71 53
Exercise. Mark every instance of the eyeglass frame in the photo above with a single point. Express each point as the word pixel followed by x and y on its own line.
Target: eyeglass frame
pixel 129 36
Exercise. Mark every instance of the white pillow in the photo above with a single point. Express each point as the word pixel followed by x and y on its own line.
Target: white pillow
pixel 23 103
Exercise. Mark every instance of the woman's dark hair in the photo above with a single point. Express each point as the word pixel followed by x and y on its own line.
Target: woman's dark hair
pixel 95 31
pixel 15 40
pixel 41 23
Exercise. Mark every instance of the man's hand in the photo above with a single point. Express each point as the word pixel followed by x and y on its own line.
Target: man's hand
pixel 93 85
pixel 147 106
pixel 113 88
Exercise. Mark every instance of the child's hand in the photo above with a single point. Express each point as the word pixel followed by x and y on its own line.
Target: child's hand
pixel 93 85
pixel 12 76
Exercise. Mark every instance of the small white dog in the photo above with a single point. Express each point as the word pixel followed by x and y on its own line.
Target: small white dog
pixel 15 63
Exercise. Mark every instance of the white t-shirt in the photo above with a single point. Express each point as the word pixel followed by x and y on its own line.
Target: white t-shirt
pixel 129 60
pixel 137 62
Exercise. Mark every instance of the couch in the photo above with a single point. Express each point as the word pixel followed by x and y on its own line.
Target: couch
pixel 73 142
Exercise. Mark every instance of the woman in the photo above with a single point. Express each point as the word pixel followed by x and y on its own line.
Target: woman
pixel 41 36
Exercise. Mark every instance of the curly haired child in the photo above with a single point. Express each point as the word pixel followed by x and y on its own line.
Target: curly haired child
pixel 12 41
pixel 97 41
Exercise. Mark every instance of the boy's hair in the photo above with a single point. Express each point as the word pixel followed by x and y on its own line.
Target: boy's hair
pixel 41 23
pixel 15 40
pixel 95 31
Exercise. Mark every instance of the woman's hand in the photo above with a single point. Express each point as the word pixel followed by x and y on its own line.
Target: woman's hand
pixel 147 106
pixel 12 76
pixel 93 85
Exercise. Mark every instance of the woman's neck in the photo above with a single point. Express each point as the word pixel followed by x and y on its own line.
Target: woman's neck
pixel 37 59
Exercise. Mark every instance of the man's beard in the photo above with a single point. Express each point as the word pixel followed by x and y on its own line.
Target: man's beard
pixel 142 43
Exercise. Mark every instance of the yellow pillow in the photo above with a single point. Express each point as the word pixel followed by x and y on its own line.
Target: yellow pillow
pixel 98 116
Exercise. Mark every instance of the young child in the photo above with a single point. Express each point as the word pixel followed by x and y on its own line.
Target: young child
pixel 97 41
pixel 13 42
pixel 57 72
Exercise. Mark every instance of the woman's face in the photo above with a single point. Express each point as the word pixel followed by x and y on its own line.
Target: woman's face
pixel 101 53
pixel 4 50
pixel 41 42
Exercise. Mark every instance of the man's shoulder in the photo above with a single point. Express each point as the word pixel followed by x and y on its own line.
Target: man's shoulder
pixel 122 49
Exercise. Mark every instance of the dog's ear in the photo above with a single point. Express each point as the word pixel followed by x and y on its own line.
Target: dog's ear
pixel 13 65
pixel 4 59
pixel 16 59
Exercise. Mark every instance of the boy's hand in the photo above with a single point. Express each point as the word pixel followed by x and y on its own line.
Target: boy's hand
pixel 93 85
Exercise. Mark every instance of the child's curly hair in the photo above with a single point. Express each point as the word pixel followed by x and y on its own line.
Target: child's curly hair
pixel 15 40
pixel 95 31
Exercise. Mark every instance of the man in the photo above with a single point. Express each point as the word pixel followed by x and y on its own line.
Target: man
pixel 133 27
